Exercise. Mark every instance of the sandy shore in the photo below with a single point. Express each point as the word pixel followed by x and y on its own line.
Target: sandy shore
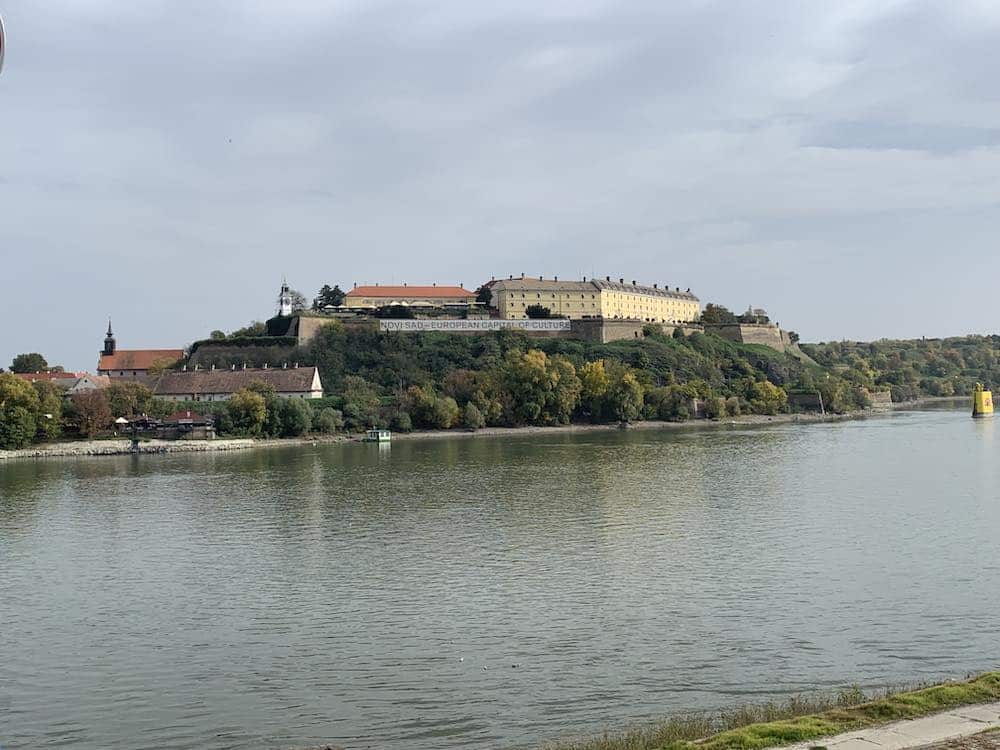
pixel 124 446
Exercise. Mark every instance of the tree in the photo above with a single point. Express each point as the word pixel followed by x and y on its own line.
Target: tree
pixel 595 383
pixel 50 407
pixel 328 297
pixel 446 412
pixel 767 398
pixel 538 312
pixel 127 398
pixel 483 295
pixel 294 417
pixel 251 330
pixel 299 301
pixel 217 335
pixel 247 410
pixel 33 362
pixel 328 421
pixel 625 396
pixel 92 413
pixel 717 315
pixel 472 418
pixel 19 406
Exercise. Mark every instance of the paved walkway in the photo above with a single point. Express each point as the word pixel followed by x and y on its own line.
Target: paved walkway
pixel 951 730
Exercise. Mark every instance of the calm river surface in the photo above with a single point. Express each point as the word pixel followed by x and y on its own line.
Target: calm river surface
pixel 489 593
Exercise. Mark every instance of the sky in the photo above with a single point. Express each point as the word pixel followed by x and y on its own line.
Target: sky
pixel 167 163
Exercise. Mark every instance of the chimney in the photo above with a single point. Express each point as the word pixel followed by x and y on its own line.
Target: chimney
pixel 584 278
pixel 522 274
pixel 621 280
pixel 555 278
pixel 633 282
pixel 434 283
pixel 655 286
pixel 404 283
pixel 355 285
pixel 541 278
pixel 607 278
pixel 678 289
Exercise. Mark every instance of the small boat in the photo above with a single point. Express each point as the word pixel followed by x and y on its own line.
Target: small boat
pixel 376 435
pixel 982 402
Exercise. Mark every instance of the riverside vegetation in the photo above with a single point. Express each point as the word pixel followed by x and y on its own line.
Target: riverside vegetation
pixel 797 719
pixel 442 381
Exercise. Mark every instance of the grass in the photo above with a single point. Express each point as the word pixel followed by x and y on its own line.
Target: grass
pixel 797 719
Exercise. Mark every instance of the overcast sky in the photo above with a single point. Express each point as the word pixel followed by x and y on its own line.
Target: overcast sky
pixel 835 163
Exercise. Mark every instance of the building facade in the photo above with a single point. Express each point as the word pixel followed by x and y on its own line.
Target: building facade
pixel 220 385
pixel 130 364
pixel 372 297
pixel 595 298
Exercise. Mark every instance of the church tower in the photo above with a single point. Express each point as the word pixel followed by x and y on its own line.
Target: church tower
pixel 285 300
pixel 109 341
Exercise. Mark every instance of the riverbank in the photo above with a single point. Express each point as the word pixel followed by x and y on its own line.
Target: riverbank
pixel 911 718
pixel 123 446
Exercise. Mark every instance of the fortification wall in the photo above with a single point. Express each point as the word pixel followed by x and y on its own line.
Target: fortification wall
pixel 752 333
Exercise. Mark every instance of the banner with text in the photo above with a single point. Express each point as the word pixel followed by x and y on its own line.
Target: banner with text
pixel 473 325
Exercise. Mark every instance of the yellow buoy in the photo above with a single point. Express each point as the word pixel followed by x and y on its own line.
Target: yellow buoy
pixel 982 402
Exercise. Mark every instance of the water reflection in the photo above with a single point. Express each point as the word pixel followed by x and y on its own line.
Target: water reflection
pixel 487 592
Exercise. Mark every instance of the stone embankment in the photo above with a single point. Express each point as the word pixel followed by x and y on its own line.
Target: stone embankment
pixel 124 446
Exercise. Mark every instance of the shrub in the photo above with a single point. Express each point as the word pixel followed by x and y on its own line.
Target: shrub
pixel 17 427
pixel 328 421
pixel 472 418
pixel 401 422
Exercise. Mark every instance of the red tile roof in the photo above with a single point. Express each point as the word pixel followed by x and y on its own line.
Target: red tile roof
pixel 33 376
pixel 138 359
pixel 455 292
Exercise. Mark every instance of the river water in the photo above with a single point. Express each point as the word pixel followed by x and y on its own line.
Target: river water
pixel 489 593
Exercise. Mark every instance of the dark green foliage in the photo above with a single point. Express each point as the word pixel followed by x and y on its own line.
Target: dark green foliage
pixel 32 362
pixel 911 369
pixel 243 342
pixel 717 315
pixel 328 297
pixel 538 312
pixel 294 417
pixel 394 312
pixel 17 427
pixel 279 325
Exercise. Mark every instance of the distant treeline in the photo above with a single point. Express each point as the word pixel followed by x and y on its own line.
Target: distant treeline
pixel 439 381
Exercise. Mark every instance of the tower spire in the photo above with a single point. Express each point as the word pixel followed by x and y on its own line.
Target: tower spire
pixel 109 341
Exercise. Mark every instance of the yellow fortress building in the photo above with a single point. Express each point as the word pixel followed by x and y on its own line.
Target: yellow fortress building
pixel 594 298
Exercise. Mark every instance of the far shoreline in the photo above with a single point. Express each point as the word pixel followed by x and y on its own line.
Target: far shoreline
pixel 123 446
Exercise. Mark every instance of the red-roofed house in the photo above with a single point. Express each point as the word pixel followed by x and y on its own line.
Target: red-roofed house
pixel 61 379
pixel 408 296
pixel 133 363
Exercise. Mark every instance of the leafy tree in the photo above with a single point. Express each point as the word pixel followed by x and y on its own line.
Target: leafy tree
pixel 472 418
pixel 294 417
pixel 50 407
pixel 298 299
pixel 92 413
pixel 128 398
pixel 19 406
pixel 594 387
pixel 767 398
pixel 361 403
pixel 717 315
pixel 247 411
pixel 33 362
pixel 217 335
pixel 446 412
pixel 328 421
pixel 251 330
pixel 483 295
pixel 328 297
pixel 402 422
pixel 625 396
pixel 538 312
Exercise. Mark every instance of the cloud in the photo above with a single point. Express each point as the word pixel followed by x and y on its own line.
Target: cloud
pixel 755 152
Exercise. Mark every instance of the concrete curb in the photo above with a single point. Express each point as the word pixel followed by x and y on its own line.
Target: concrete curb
pixel 948 725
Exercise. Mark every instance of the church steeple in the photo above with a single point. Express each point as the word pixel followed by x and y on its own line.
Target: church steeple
pixel 285 300
pixel 109 341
